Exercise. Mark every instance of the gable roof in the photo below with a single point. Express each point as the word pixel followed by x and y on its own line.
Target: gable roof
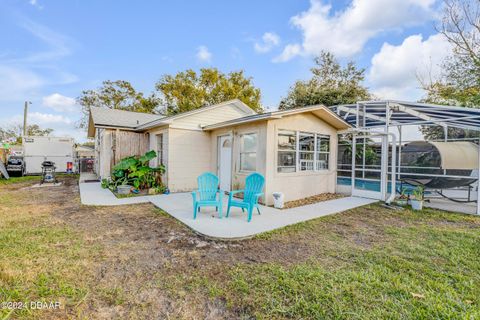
pixel 121 118
pixel 137 121
pixel 168 120
pixel 114 118
pixel 320 111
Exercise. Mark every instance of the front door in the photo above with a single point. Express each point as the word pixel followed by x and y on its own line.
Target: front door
pixel 224 152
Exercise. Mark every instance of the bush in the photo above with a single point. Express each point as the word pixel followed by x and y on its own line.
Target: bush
pixel 135 171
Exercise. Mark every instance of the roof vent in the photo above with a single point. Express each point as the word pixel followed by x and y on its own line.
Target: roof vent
pixel 138 122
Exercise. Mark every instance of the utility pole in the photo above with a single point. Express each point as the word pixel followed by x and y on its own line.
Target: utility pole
pixel 25 113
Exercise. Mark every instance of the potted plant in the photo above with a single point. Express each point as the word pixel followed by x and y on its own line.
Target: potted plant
pixel 124 188
pixel 402 199
pixel 417 200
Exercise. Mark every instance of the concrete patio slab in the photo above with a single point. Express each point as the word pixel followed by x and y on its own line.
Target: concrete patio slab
pixel 209 224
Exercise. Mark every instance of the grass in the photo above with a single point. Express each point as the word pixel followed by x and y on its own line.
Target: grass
pixel 18 179
pixel 388 282
pixel 421 270
pixel 129 195
pixel 368 263
pixel 41 259
pixel 14 180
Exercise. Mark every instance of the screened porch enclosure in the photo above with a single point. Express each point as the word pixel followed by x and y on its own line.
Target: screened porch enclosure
pixel 442 155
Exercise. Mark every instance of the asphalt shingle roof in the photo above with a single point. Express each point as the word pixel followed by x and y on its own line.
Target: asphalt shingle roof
pixel 121 118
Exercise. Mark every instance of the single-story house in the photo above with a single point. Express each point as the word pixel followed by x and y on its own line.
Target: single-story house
pixel 295 150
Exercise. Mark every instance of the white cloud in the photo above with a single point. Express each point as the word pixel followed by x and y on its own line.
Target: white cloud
pixel 394 69
pixel 203 54
pixel 62 125
pixel 18 82
pixel 290 51
pixel 60 103
pixel 35 4
pixel 44 120
pixel 59 45
pixel 48 119
pixel 23 76
pixel 269 40
pixel 346 32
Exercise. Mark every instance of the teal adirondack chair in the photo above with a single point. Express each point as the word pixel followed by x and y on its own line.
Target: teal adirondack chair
pixel 206 195
pixel 252 192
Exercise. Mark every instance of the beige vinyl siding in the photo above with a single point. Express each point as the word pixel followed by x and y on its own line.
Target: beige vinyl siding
pixel 297 185
pixel 188 157
pixel 221 114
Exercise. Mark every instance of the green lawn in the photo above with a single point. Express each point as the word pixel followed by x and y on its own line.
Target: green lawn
pixel 427 266
pixel 132 262
pixel 18 179
pixel 41 258
pixel 14 179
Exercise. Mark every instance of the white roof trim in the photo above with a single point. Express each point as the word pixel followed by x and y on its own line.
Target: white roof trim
pixel 168 120
pixel 273 115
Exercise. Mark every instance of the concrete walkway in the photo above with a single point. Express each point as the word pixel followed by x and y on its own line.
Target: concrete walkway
pixel 179 206
pixel 86 176
pixel 92 194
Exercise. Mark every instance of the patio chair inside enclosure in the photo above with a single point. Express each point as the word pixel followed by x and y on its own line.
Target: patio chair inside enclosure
pixel 252 192
pixel 206 194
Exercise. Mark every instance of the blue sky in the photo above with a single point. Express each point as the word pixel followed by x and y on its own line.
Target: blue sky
pixel 52 50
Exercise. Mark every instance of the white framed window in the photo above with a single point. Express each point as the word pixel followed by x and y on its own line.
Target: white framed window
pixel 287 151
pixel 322 152
pixel 306 147
pixel 248 152
pixel 302 151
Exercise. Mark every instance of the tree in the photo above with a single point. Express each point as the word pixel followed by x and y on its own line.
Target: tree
pixel 35 130
pixel 118 94
pixel 15 132
pixel 438 133
pixel 331 84
pixel 459 84
pixel 189 90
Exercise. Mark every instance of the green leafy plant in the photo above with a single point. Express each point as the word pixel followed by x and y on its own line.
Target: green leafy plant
pixel 135 171
pixel 403 194
pixel 160 189
pixel 105 183
pixel 418 193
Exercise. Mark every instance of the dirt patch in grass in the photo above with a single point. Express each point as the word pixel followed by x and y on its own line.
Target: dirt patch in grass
pixel 313 199
pixel 136 261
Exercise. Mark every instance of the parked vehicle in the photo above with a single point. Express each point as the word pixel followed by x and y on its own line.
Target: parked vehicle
pixel 59 150
pixel 15 165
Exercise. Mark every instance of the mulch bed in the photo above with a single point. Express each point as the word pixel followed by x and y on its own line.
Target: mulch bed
pixel 311 200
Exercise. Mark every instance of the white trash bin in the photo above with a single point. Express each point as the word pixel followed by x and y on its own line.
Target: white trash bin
pixel 278 198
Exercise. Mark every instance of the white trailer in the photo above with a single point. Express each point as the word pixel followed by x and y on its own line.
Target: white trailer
pixel 39 149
